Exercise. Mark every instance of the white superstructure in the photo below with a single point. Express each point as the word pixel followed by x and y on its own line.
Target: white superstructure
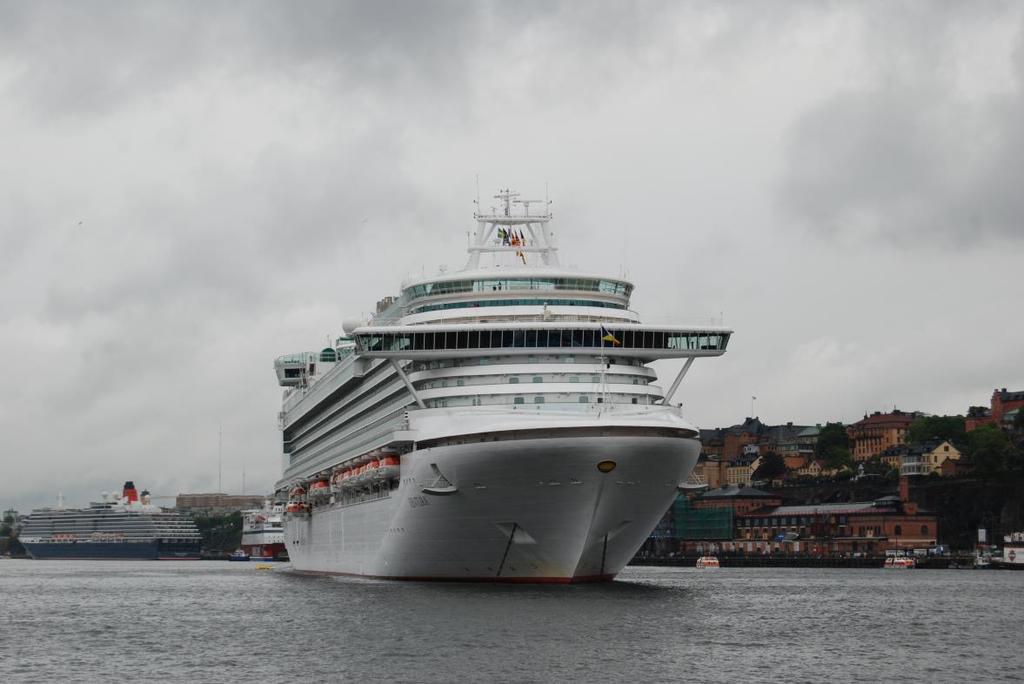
pixel 263 532
pixel 500 422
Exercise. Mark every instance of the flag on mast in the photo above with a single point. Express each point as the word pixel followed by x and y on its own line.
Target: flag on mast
pixel 608 337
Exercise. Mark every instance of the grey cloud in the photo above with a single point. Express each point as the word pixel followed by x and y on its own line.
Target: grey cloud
pixel 91 57
pixel 911 160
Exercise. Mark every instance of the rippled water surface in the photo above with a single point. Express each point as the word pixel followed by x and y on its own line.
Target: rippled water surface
pixel 210 621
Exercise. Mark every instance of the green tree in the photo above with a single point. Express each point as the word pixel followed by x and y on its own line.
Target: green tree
pixel 991 451
pixel 833 446
pixel 927 428
pixel 772 466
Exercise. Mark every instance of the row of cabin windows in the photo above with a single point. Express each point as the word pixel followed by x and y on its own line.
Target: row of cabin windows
pixel 515 302
pixel 536 399
pixel 502 284
pixel 496 339
pixel 612 379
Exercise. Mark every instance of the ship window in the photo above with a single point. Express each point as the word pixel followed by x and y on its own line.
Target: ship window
pixel 513 380
pixel 584 399
pixel 574 378
pixel 634 400
pixel 898 530
pixel 518 400
pixel 537 378
pixel 460 382
pixel 595 378
pixel 538 400
pixel 924 529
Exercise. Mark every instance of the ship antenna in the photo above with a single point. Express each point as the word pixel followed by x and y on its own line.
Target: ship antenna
pixel 220 442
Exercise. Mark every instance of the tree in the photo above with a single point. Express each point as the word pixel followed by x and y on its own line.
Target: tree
pixel 833 446
pixel 990 449
pixel 772 466
pixel 941 428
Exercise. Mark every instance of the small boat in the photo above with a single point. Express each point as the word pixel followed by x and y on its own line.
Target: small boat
pixel 264 566
pixel 707 563
pixel 901 562
pixel 238 555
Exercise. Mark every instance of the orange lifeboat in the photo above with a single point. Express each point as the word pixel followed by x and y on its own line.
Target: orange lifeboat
pixel 297 492
pixel 389 466
pixel 320 488
pixel 346 478
pixel 295 507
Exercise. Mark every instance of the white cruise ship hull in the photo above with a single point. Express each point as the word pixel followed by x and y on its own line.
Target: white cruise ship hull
pixel 526 510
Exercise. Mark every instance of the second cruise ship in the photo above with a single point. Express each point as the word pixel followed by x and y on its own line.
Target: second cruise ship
pixel 497 423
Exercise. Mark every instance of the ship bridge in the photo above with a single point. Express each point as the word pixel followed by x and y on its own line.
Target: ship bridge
pixel 635 340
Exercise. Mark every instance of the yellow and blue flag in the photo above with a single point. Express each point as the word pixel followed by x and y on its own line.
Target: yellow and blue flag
pixel 608 337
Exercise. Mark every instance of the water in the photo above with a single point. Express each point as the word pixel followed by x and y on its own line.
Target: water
pixel 209 621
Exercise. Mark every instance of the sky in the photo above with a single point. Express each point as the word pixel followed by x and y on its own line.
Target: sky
pixel 190 189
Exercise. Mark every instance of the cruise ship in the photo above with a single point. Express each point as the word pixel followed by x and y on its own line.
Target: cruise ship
pixel 499 423
pixel 122 527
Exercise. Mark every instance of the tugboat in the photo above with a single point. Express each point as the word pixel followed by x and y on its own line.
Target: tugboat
pixel 238 555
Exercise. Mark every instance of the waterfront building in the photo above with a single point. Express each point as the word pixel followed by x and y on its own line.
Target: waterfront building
pixel 736 498
pixel 868 527
pixel 879 431
pixel 218 503
pixel 705 521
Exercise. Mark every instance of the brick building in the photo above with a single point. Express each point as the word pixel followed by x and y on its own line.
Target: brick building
pixel 869 527
pixel 1002 403
pixel 879 431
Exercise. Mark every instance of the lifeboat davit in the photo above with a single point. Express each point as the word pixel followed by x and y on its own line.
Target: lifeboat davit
pixel 389 466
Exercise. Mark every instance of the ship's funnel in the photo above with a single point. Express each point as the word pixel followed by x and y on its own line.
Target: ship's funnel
pixel 129 492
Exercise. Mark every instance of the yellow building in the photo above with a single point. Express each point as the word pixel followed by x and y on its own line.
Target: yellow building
pixel 937 454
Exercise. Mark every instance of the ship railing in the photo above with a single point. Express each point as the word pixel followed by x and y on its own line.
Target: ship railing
pixel 539 317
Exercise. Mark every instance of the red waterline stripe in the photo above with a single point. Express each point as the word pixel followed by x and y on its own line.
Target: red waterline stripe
pixel 491 580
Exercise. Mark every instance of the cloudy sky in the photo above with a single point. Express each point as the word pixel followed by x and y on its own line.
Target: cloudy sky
pixel 190 189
